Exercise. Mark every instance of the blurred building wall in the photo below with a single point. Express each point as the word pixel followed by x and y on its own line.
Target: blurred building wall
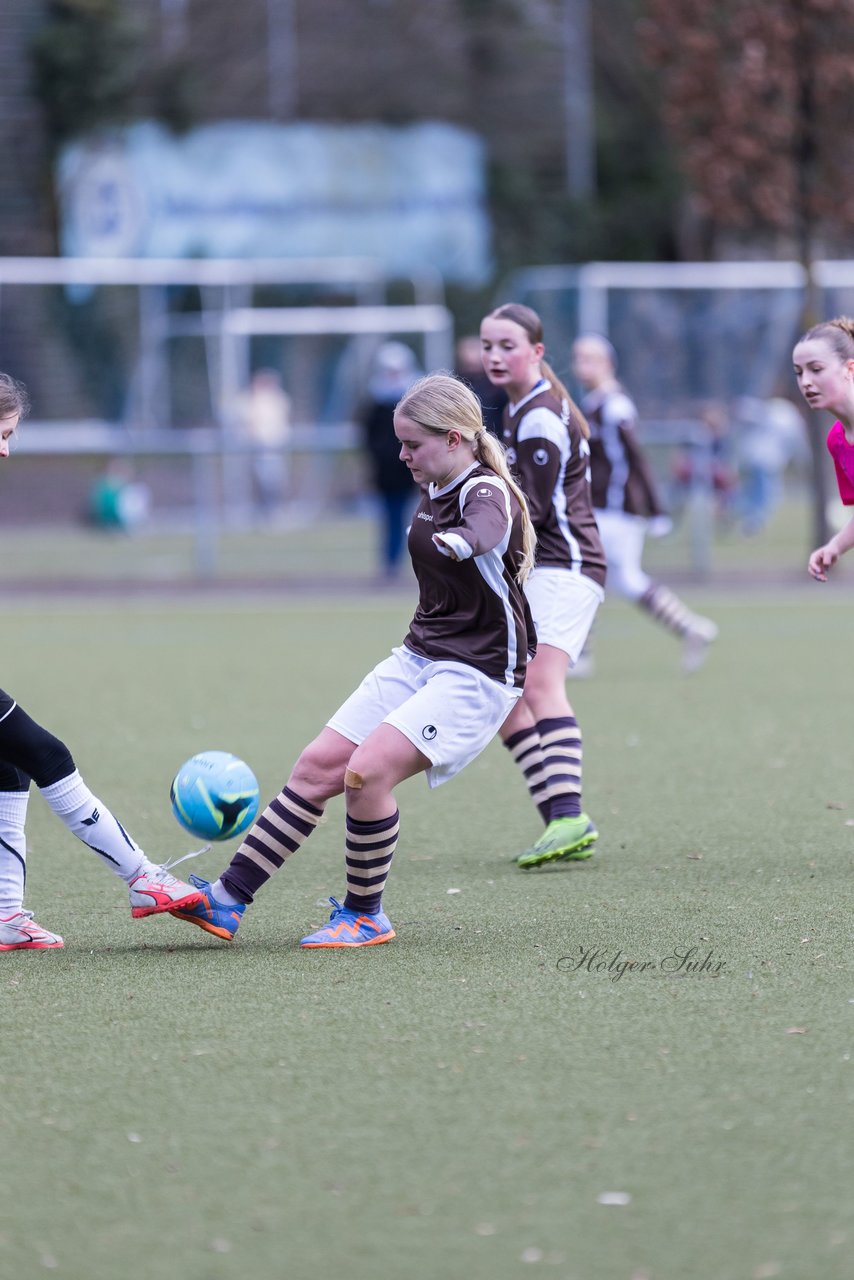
pixel 394 61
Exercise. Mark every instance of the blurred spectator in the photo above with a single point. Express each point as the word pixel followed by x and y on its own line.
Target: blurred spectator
pixel 769 435
pixel 395 370
pixel 117 500
pixel 718 468
pixel 263 413
pixel 469 367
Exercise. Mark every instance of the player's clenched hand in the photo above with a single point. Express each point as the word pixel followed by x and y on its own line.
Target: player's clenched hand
pixel 822 559
pixel 442 545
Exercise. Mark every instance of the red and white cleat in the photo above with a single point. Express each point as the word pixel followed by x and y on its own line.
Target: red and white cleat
pixel 156 890
pixel 20 932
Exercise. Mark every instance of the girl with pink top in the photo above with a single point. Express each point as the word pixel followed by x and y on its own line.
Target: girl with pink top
pixel 824 367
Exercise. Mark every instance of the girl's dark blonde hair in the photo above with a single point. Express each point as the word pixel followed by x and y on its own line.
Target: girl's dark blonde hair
pixel 527 319
pixel 440 403
pixel 837 333
pixel 13 397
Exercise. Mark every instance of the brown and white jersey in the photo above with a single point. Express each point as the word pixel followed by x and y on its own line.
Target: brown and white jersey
pixel 548 454
pixel 471 610
pixel 620 474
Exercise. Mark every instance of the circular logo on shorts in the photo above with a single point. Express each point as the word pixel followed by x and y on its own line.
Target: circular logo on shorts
pixel 429 732
pixel 541 457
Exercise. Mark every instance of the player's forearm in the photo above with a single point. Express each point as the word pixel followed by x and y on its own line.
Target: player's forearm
pixel 843 540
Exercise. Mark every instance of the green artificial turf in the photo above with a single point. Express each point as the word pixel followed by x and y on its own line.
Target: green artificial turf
pixel 454 1104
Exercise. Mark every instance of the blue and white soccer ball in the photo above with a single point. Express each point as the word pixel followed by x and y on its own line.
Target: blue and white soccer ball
pixel 215 795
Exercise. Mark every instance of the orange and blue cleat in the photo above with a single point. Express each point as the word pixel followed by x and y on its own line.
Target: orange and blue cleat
pixel 348 928
pixel 218 918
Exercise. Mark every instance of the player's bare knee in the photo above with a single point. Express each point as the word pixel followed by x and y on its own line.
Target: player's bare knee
pixel 315 776
pixel 363 774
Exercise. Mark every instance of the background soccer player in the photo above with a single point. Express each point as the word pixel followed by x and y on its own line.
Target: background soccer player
pixel 626 501
pixel 824 367
pixel 546 440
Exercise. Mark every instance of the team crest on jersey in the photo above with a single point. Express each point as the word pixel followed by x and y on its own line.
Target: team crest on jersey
pixel 541 457
pixel 429 732
pixel 484 493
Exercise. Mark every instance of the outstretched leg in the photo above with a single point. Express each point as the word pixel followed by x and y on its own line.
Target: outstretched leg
pixel 277 833
pixel 30 751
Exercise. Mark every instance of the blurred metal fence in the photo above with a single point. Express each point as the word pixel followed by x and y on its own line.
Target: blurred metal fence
pixel 687 333
pixel 218 496
pixel 179 339
pixel 218 492
pixel 149 344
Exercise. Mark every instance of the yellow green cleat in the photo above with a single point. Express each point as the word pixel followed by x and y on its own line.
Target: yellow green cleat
pixel 564 840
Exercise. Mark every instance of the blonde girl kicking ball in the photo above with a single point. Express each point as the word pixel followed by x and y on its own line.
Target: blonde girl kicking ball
pixel 435 702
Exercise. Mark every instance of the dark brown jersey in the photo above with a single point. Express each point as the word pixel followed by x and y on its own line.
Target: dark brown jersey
pixel 471 610
pixel 620 474
pixel 548 453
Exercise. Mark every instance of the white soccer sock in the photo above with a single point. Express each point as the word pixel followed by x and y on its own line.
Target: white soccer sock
pixel 13 850
pixel 93 823
pixel 221 894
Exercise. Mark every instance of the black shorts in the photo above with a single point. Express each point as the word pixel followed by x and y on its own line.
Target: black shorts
pixel 28 751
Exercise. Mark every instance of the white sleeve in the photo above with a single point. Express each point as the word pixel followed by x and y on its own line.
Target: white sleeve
pixel 542 423
pixel 448 542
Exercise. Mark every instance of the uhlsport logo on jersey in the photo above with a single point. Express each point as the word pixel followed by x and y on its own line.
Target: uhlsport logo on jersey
pixel 429 732
pixel 541 457
pixel 484 493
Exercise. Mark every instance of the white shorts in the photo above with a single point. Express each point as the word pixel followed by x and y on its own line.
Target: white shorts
pixel 563 606
pixel 448 710
pixel 623 538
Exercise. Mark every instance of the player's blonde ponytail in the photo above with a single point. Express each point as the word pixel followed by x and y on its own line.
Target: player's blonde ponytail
pixel 491 453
